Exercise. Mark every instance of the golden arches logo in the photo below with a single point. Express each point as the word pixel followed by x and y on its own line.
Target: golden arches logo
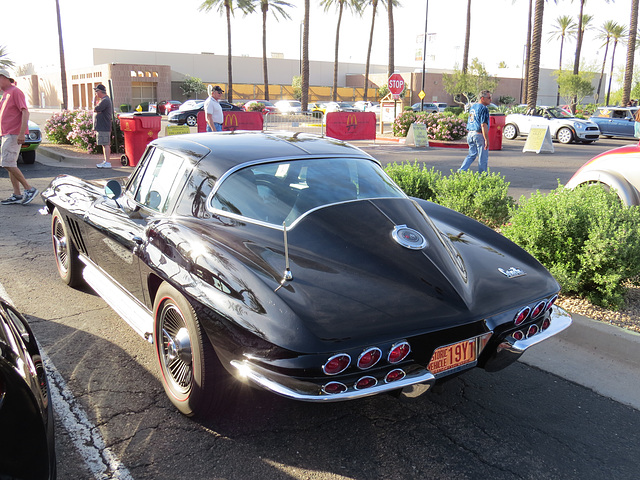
pixel 231 120
pixel 352 122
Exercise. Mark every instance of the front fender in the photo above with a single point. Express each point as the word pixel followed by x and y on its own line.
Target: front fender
pixel 628 194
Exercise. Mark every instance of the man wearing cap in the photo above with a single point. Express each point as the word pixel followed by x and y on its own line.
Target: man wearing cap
pixel 213 110
pixel 102 117
pixel 14 123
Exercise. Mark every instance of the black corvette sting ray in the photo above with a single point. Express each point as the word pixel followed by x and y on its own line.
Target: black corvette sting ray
pixel 294 263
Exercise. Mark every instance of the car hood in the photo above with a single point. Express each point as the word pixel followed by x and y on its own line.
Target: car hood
pixel 352 281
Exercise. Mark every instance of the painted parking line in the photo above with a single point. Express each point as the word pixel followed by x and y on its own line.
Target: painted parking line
pixel 100 461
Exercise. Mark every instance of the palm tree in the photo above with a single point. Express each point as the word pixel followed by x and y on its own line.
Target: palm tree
pixel 534 58
pixel 278 8
pixel 227 7
pixel 305 59
pixel 631 48
pixel 527 54
pixel 391 67
pixel 63 68
pixel 5 62
pixel 617 35
pixel 467 35
pixel 374 5
pixel 354 5
pixel 564 29
pixel 604 34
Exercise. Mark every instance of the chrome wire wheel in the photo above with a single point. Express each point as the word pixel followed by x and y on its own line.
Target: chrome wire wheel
pixel 60 246
pixel 175 349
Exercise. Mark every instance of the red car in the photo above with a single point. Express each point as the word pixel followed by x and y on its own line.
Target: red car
pixel 166 106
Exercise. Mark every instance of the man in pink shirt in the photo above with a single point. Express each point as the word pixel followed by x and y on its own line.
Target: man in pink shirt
pixel 14 123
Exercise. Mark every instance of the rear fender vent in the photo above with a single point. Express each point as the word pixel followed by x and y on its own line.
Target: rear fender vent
pixel 77 235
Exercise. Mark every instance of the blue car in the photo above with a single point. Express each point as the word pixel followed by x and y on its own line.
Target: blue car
pixel 615 121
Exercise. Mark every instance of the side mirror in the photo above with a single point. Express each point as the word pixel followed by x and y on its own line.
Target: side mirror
pixel 113 189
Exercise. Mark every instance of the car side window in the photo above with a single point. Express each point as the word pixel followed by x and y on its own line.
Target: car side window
pixel 164 173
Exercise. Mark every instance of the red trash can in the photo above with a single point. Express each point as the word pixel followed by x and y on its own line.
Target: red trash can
pixel 496 124
pixel 139 129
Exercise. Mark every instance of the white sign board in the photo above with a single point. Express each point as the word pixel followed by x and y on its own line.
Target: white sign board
pixel 388 112
pixel 417 135
pixel 538 141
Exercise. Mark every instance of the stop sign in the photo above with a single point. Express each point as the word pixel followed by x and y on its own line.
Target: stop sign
pixel 396 84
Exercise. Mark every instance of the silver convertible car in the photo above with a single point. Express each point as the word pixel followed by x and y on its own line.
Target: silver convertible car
pixel 562 125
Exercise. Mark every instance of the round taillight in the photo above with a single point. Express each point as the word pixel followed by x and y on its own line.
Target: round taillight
pixel 337 364
pixel 334 387
pixel 533 329
pixel 369 358
pixel 394 375
pixel 399 352
pixel 551 301
pixel 518 335
pixel 365 382
pixel 545 324
pixel 521 316
pixel 538 309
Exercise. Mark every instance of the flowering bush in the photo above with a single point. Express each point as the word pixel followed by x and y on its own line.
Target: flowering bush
pixel 439 126
pixel 59 126
pixel 254 107
pixel 82 133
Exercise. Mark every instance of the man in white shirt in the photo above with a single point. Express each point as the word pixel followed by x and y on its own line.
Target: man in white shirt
pixel 213 110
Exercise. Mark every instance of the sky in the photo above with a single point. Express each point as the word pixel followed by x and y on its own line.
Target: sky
pixel 498 31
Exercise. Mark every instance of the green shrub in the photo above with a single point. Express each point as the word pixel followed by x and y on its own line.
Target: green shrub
pixel 59 126
pixel 482 196
pixel 440 126
pixel 414 180
pixel 454 110
pixel 402 123
pixel 125 107
pixel 585 237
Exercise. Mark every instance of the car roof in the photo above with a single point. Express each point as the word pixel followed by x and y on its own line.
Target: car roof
pixel 221 152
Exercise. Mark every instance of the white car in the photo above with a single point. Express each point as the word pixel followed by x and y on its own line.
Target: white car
pixel 288 106
pixel 562 126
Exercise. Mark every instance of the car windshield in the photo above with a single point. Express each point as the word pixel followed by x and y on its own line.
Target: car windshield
pixel 282 192
pixel 556 112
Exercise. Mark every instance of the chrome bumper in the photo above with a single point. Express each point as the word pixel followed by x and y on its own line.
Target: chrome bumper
pixel 311 392
pixel 510 349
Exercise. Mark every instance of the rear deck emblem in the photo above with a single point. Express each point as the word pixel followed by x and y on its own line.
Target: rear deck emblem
pixel 408 237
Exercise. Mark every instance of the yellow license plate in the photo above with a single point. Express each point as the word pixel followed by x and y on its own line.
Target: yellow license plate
pixel 453 356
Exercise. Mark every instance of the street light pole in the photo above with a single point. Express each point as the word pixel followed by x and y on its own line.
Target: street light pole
pixel 424 55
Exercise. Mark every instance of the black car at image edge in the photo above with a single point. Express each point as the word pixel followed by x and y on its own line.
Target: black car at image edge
pixel 293 263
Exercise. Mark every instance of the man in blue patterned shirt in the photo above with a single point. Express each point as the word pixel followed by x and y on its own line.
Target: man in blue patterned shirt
pixel 478 136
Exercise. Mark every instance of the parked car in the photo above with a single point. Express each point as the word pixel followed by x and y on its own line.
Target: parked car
pixel 615 121
pixel 363 106
pixel 427 107
pixel 188 112
pixel 617 169
pixel 165 106
pixel 347 107
pixel 268 106
pixel 562 125
pixel 288 106
pixel 31 143
pixel 441 106
pixel 27 442
pixel 294 263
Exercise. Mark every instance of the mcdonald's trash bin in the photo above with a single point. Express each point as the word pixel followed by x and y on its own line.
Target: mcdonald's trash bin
pixel 496 124
pixel 139 129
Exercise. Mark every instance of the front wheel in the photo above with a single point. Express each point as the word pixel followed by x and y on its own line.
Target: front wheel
pixel 29 157
pixel 510 132
pixel 565 135
pixel 192 120
pixel 192 375
pixel 67 261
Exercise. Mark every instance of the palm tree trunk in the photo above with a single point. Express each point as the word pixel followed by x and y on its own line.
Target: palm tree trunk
pixel 631 47
pixel 265 68
pixel 334 93
pixel 229 68
pixel 613 57
pixel 534 61
pixel 467 35
pixel 392 67
pixel 560 69
pixel 576 60
pixel 604 61
pixel 63 68
pixel 374 4
pixel 525 86
pixel 305 59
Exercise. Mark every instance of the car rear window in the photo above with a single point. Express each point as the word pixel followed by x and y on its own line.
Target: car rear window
pixel 282 192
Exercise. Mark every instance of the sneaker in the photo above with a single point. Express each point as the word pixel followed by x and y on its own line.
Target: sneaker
pixel 12 199
pixel 29 195
pixel 104 165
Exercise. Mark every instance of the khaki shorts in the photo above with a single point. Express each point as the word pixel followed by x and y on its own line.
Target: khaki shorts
pixel 103 138
pixel 10 150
